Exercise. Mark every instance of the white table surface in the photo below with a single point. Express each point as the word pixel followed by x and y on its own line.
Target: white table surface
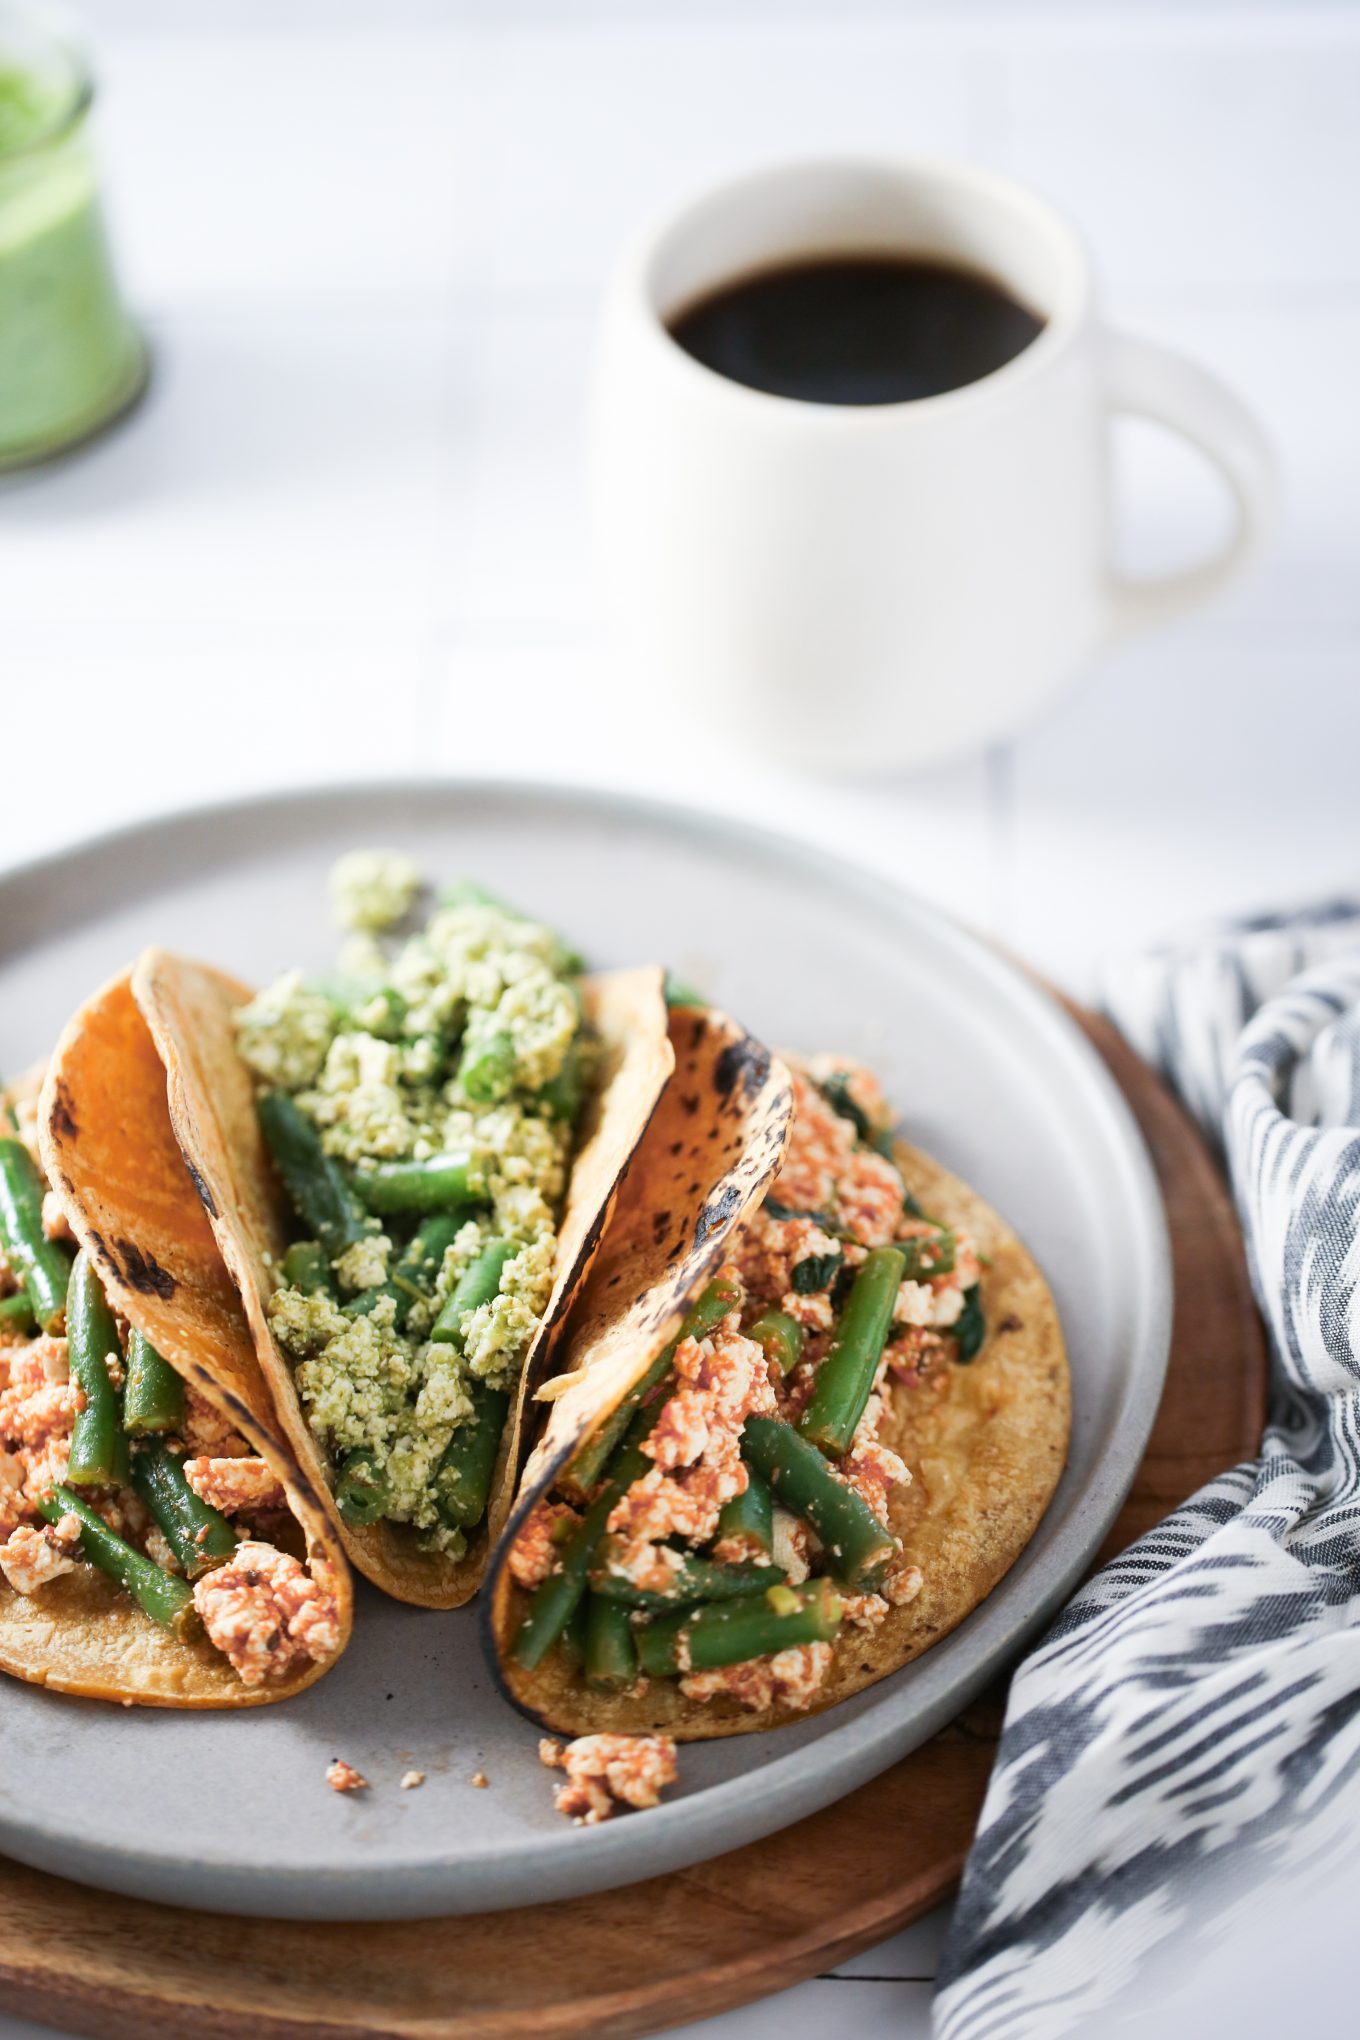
pixel 369 257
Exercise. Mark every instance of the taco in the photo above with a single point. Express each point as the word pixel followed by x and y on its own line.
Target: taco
pixel 408 1168
pixel 157 1543
pixel 789 1460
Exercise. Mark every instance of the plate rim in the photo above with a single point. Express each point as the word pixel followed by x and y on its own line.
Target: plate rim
pixel 573 1862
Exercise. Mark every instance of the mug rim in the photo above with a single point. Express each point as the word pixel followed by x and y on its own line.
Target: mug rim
pixel 635 281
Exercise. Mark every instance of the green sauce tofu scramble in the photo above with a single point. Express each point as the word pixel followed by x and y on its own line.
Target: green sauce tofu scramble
pixel 419 1108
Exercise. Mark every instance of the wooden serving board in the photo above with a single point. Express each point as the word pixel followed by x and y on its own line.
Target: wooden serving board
pixel 679 1947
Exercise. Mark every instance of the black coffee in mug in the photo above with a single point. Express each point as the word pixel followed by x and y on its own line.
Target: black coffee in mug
pixel 857 329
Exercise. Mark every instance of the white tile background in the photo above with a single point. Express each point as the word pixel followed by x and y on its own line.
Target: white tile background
pixel 367 246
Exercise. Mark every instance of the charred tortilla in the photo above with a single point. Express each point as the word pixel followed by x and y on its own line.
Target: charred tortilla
pixel 190 1011
pixel 110 1152
pixel 985 1444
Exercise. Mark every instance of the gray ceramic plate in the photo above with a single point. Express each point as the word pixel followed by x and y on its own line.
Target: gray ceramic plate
pixel 232 1812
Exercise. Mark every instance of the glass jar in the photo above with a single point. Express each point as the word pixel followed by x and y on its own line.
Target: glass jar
pixel 70 358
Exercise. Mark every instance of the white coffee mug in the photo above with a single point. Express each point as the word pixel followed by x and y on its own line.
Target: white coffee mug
pixel 882 585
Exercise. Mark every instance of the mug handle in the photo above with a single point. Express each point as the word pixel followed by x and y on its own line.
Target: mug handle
pixel 1151 381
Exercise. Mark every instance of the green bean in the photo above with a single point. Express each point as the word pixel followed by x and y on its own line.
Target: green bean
pixel 418 1265
pixel 17 1311
pixel 362 1494
pixel 845 1378
pixel 856 1544
pixel 749 1516
pixel 780 1338
pixel 478 1284
pixel 153 1394
pixel 929 1254
pixel 572 1642
pixel 487 1070
pixel 98 1456
pixel 970 1326
pixel 165 1598
pixel 611 1663
pixel 199 1535
pixel 462 1480
pixel 41 1264
pixel 439 1184
pixel 307 1266
pixel 730 1632
pixel 317 1185
pixel 563 1095
pixel 415 1273
pixel 694 1579
pixel 554 1601
pixel 704 1316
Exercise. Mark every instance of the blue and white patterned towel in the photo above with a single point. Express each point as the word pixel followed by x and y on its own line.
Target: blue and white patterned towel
pixel 1196 1708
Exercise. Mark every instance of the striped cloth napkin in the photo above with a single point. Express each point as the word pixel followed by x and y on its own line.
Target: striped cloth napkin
pixel 1187 1727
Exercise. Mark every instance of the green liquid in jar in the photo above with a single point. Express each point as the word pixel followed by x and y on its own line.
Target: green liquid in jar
pixel 70 358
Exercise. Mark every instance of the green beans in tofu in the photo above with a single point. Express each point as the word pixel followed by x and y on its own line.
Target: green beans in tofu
pixel 572 1642
pixel 554 1601
pixel 780 1338
pixel 845 1378
pixel 856 1545
pixel 704 1316
pixel 307 1266
pixel 748 1518
pixel 563 1095
pixel 417 1266
pixel 361 1491
pixel 443 1183
pixel 694 1579
pixel 487 1070
pixel 477 1285
pixel 153 1394
pixel 318 1188
pixel 16 1313
pixel 41 1264
pixel 729 1632
pixel 929 1254
pixel 98 1455
pixel 462 1482
pixel 165 1598
pixel 199 1535
pixel 611 1662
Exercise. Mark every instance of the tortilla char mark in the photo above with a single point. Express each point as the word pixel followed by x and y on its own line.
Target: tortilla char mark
pixel 63 1117
pixel 142 1272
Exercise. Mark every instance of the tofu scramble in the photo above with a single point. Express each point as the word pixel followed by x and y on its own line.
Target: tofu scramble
pixel 420 1110
pixel 108 1460
pixel 730 1522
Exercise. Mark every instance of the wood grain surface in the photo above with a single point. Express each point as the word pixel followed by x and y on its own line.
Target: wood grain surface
pixel 697 1942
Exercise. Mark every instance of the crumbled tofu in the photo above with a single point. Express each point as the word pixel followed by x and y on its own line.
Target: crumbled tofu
pixel 372 890
pixel 233 1485
pixel 32 1558
pixel 342 1777
pixel 605 1771
pixel 410 1780
pixel 480 1780
pixel 266 1614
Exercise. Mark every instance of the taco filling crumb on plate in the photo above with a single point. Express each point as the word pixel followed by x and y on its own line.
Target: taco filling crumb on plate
pixel 822 1473
pixel 434 1137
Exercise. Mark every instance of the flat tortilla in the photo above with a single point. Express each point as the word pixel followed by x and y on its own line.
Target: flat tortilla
pixel 190 1010
pixel 985 1444
pixel 109 1151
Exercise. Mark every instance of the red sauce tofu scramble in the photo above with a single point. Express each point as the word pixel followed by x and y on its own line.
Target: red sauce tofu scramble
pixel 604 1772
pixel 750 1493
pixel 96 1464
